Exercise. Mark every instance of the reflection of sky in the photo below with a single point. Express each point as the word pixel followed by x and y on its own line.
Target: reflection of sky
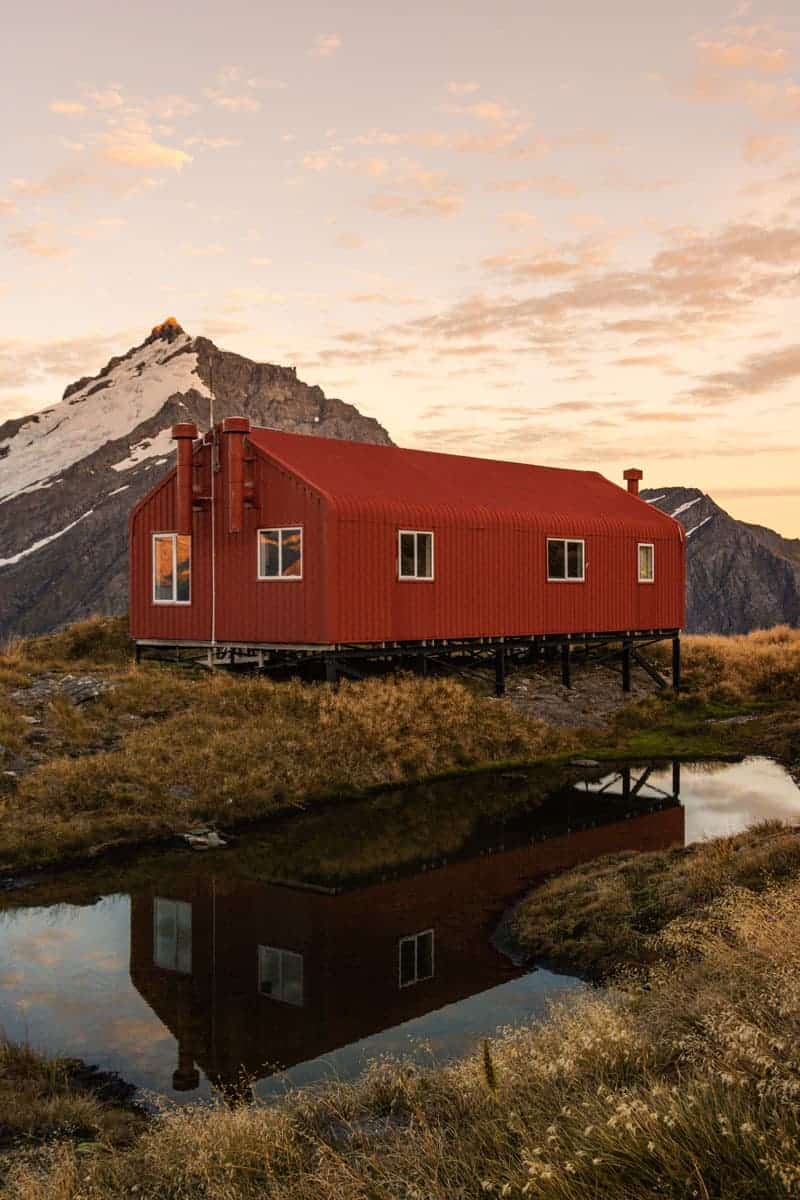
pixel 65 987
pixel 445 1034
pixel 724 798
pixel 65 984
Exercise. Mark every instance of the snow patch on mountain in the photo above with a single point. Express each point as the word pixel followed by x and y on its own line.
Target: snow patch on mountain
pixel 695 528
pixel 7 562
pixel 148 448
pixel 133 391
pixel 683 507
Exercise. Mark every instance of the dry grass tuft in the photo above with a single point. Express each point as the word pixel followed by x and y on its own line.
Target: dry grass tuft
pixel 224 749
pixel 97 640
pixel 755 667
pixel 609 913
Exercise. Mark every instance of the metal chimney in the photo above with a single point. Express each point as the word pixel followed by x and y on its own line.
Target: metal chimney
pixel 184 434
pixel 632 476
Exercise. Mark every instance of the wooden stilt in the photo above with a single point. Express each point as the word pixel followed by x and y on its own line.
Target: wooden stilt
pixel 626 665
pixel 676 663
pixel 566 672
pixel 500 671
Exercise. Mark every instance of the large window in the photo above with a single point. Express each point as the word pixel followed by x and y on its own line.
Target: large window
pixel 565 559
pixel 280 553
pixel 415 554
pixel 172 935
pixel 416 958
pixel 172 562
pixel 280 974
pixel 647 562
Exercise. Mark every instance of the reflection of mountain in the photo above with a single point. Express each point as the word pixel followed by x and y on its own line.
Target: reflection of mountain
pixel 250 976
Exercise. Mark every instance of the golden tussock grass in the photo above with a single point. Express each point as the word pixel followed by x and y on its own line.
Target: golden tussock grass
pixel 687 1088
pixel 609 913
pixel 38 1100
pixel 226 749
pixel 755 667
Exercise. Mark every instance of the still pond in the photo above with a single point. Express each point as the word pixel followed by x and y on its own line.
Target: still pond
pixel 308 949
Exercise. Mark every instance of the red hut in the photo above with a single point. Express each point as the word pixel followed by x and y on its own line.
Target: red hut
pixel 262 543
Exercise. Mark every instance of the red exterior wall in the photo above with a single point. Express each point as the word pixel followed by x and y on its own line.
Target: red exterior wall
pixel 490 569
pixel 491 580
pixel 247 608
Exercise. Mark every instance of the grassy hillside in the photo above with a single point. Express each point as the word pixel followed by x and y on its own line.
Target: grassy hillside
pixel 153 749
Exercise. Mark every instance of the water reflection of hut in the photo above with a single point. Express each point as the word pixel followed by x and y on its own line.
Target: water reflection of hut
pixel 251 976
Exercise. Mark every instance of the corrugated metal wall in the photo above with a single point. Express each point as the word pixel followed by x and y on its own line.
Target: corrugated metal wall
pixel 490 571
pixel 491 580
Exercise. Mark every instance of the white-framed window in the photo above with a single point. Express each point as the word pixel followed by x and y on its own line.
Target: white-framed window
pixel 646 557
pixel 280 974
pixel 566 559
pixel 415 958
pixel 172 568
pixel 280 553
pixel 172 935
pixel 414 554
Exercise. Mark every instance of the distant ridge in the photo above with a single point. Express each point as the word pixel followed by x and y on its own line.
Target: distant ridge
pixel 70 475
pixel 739 576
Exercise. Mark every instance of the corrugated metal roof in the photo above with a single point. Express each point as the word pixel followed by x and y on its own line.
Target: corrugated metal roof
pixel 359 476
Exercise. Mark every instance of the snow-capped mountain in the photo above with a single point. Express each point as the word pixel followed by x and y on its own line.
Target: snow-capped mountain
pixel 739 576
pixel 70 475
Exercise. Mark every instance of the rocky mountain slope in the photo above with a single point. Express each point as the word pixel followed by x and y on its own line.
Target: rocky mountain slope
pixel 70 475
pixel 739 576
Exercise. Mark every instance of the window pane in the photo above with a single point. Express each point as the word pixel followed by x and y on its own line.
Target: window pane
pixel 292 977
pixel 172 934
pixel 269 972
pixel 425 955
pixel 556 560
pixel 268 552
pixel 407 554
pixel 574 560
pixel 184 559
pixel 164 933
pixel 646 562
pixel 424 555
pixel 291 552
pixel 183 940
pixel 407 962
pixel 163 568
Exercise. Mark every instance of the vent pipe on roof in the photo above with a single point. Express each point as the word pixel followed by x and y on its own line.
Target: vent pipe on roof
pixel 632 476
pixel 184 434
pixel 235 430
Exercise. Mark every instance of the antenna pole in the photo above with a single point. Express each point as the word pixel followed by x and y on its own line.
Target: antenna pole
pixel 212 453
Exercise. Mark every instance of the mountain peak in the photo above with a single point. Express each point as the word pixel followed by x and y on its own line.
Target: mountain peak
pixel 168 330
pixel 71 473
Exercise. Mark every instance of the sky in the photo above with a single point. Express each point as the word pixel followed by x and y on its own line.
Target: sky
pixel 566 234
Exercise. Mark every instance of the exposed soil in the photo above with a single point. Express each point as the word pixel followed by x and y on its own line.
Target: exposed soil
pixel 595 696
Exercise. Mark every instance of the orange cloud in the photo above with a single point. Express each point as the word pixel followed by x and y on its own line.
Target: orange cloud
pixel 325 44
pixel 132 149
pixel 40 240
pixel 743 56
pixel 763 148
pixel 67 108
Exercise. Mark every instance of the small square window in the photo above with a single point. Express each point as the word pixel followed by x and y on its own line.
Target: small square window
pixel 565 559
pixel 280 975
pixel 280 553
pixel 172 567
pixel 416 958
pixel 415 554
pixel 172 935
pixel 647 564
